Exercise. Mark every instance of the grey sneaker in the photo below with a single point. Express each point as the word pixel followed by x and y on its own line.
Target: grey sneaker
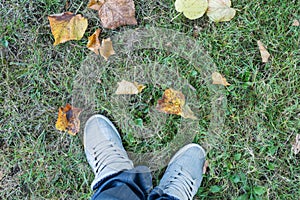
pixel 103 148
pixel 183 175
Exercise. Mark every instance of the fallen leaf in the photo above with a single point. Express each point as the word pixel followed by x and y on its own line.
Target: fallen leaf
pixel 106 49
pixel 220 11
pixel 295 23
pixel 68 119
pixel 67 5
pixel 114 13
pixel 205 166
pixel 173 102
pixel 191 9
pixel 67 26
pixel 126 87
pixel 187 112
pixel 95 4
pixel 263 52
pixel 93 42
pixel 296 145
pixel 218 79
pixel 1 175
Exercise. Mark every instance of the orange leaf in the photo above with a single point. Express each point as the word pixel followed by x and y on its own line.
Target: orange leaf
pixel 68 119
pixel 95 4
pixel 263 52
pixel 218 79
pixel 173 102
pixel 93 42
pixel 114 13
pixel 106 49
pixel 67 26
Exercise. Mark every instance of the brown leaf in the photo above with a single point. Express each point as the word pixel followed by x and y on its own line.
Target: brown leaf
pixel 173 102
pixel 218 79
pixel 68 119
pixel 93 42
pixel 263 52
pixel 296 145
pixel 126 87
pixel 295 23
pixel 67 26
pixel 106 49
pixel 114 13
pixel 205 166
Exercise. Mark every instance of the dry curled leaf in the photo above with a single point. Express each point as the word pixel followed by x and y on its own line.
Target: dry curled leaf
pixel 1 175
pixel 191 9
pixel 296 145
pixel 173 102
pixel 218 79
pixel 114 13
pixel 93 42
pixel 295 23
pixel 67 26
pixel 220 10
pixel 126 87
pixel 205 166
pixel 106 49
pixel 68 119
pixel 263 52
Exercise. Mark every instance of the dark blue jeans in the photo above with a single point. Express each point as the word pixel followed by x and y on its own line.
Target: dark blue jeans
pixel 134 184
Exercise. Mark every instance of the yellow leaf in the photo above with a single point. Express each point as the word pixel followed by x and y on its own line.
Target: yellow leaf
pixel 173 102
pixel 95 4
pixel 114 13
pixel 192 9
pixel 68 119
pixel 106 49
pixel 67 26
pixel 220 11
pixel 296 145
pixel 126 87
pixel 263 52
pixel 93 42
pixel 218 79
pixel 62 122
pixel 140 87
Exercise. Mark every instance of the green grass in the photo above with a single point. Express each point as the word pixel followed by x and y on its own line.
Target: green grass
pixel 252 159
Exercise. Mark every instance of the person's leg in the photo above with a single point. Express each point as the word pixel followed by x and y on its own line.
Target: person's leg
pixel 183 175
pixel 115 175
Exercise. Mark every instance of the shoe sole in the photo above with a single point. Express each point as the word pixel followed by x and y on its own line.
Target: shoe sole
pixel 183 149
pixel 102 117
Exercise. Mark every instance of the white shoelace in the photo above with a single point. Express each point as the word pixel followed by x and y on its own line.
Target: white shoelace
pixel 106 153
pixel 182 181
